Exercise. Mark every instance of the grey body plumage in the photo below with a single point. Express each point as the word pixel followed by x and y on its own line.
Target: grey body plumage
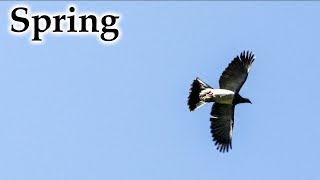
pixel 225 99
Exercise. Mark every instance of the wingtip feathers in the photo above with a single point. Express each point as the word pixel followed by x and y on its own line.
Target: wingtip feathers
pixel 247 55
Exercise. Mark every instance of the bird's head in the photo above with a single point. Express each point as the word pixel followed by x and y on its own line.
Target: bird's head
pixel 245 100
pixel 238 99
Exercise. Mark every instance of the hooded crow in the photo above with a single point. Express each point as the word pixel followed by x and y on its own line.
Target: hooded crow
pixel 225 99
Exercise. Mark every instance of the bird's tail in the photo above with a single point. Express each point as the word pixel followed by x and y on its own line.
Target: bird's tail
pixel 194 100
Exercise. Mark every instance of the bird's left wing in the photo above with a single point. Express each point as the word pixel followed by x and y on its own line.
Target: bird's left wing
pixel 235 75
pixel 222 116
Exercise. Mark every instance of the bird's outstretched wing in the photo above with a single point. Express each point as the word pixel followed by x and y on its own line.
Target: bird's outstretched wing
pixel 234 76
pixel 222 116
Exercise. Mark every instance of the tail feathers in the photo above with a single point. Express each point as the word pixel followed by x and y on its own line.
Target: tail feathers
pixel 194 101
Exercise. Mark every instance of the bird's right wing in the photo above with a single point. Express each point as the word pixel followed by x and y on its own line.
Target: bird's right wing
pixel 222 118
pixel 234 76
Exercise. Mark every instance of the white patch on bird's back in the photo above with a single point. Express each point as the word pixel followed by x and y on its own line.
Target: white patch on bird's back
pixel 223 96
pixel 222 92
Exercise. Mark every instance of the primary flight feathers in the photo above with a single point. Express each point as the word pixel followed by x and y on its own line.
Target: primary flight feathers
pixel 234 76
pixel 225 98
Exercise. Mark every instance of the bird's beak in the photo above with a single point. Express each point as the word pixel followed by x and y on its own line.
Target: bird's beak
pixel 247 101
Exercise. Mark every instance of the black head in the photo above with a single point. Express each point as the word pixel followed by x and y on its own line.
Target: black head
pixel 245 100
pixel 238 99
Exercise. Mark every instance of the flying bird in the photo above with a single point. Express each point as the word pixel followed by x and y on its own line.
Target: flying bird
pixel 225 99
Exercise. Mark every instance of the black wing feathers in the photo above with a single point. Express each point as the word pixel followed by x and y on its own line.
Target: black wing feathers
pixel 235 75
pixel 222 116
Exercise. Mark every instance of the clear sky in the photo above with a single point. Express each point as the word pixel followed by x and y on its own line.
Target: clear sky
pixel 75 109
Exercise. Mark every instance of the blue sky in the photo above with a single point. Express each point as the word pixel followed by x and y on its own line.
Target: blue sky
pixel 73 108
